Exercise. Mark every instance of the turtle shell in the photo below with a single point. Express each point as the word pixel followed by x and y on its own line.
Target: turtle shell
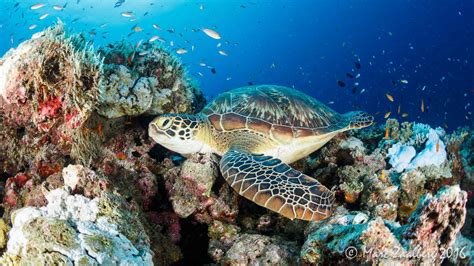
pixel 275 105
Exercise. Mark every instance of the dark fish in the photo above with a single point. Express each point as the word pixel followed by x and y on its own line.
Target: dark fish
pixel 16 4
pixel 119 3
pixel 78 1
pixel 354 89
pixel 213 70
pixel 357 64
pixel 349 75
pixel 170 30
pixel 250 83
pixel 341 83
pixel 146 13
pixel 242 6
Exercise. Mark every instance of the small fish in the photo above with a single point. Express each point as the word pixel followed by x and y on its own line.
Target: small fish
pixel 201 7
pixel 399 109
pixel 121 155
pixel 437 146
pixel 389 97
pixel 228 78
pixel 404 114
pixel 200 74
pixel 213 70
pixel 387 131
pixel 181 51
pixel 45 15
pixel 119 3
pixel 223 53
pixel 219 45
pixel 357 76
pixel 387 115
pixel 211 33
pixel 382 176
pixel 331 102
pixel 58 7
pixel 250 83
pixel 422 106
pixel 37 6
pixel 156 27
pixel 404 81
pixel 32 27
pixel 137 29
pixel 424 87
pixel 127 14
pixel 154 38
pixel 349 75
pixel 354 89
pixel 357 64
pixel 171 43
pixel 202 64
pixel 341 83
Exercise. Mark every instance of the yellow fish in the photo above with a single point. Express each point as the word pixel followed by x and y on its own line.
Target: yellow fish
pixel 422 106
pixel 387 114
pixel 404 114
pixel 137 29
pixel 389 97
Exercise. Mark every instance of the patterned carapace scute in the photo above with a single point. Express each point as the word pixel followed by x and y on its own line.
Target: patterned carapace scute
pixel 276 105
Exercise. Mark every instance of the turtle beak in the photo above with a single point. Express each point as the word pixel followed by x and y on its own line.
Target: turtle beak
pixel 154 132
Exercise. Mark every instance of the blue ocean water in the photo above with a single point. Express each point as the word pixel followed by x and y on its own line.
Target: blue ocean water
pixel 415 51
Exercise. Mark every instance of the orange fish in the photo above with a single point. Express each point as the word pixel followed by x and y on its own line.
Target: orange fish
pixel 387 130
pixel 382 176
pixel 389 97
pixel 422 106
pixel 121 155
pixel 437 146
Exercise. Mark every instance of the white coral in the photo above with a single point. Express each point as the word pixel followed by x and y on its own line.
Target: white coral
pixel 96 239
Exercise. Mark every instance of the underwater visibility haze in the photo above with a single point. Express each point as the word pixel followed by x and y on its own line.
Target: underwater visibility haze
pixel 263 132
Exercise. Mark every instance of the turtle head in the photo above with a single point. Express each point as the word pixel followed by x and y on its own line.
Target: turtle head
pixel 177 132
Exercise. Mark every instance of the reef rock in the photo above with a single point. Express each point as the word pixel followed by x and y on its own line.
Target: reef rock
pixel 145 80
pixel 430 231
pixel 49 87
pixel 72 230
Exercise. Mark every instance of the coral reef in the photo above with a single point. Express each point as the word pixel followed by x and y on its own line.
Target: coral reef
pixel 73 229
pixel 82 183
pixel 144 79
pixel 429 232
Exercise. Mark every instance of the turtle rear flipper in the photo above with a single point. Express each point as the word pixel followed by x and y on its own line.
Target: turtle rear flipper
pixel 358 119
pixel 275 185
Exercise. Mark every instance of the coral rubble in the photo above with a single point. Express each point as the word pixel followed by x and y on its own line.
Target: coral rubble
pixel 82 183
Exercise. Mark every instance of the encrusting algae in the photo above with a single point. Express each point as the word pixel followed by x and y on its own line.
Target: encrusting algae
pixel 86 185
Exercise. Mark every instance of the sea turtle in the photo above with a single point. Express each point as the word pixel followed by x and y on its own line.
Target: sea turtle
pixel 258 131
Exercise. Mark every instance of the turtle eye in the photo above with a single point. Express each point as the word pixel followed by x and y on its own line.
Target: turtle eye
pixel 165 123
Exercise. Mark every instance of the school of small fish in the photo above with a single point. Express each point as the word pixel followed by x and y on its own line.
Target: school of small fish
pixel 159 33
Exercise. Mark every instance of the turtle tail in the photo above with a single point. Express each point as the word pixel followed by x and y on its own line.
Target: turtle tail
pixel 358 119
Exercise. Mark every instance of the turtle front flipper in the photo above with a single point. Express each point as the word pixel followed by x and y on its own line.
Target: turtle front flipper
pixel 274 185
